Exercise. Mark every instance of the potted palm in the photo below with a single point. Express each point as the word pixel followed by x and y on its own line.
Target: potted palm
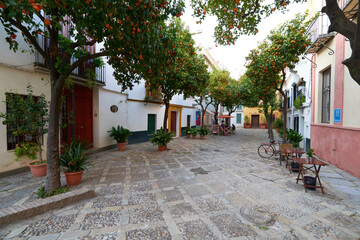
pixel 74 161
pixel 310 154
pixel 203 132
pixel 121 135
pixel 161 138
pixel 28 117
pixel 294 137
pixel 194 131
pixel 247 122
pixel 188 131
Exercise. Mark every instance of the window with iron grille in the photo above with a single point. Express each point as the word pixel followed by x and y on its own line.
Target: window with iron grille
pixel 325 96
pixel 12 140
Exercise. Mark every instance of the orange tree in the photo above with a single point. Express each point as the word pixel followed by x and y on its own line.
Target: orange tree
pixel 176 67
pixel 232 96
pixel 266 66
pixel 236 17
pixel 126 29
pixel 265 99
pixel 218 80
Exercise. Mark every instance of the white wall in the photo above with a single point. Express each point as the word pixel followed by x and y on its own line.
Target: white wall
pixel 301 70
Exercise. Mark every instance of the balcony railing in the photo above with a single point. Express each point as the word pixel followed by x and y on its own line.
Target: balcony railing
pixel 79 72
pixel 317 32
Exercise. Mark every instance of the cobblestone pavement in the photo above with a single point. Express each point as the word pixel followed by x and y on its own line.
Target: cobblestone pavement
pixel 218 188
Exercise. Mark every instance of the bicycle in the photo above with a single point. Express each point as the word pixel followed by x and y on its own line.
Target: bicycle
pixel 267 150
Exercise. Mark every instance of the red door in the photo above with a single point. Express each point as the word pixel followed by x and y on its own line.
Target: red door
pixel 173 122
pixel 83 114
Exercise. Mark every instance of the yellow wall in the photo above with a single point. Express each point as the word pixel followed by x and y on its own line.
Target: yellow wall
pixel 255 111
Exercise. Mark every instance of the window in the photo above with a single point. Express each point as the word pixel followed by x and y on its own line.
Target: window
pixel 238 118
pixel 325 97
pixel 151 123
pixel 296 124
pixel 12 140
pixel 288 100
pixel 294 92
pixel 239 108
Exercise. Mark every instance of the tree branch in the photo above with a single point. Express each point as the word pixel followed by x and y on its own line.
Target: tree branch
pixel 78 44
pixel 339 22
pixel 82 60
pixel 26 32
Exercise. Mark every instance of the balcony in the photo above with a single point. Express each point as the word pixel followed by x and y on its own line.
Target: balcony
pixel 318 35
pixel 79 72
pixel 153 96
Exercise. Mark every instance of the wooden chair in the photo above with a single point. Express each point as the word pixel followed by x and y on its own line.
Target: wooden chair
pixel 284 154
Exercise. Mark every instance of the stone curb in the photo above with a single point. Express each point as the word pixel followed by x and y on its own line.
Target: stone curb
pixel 26 210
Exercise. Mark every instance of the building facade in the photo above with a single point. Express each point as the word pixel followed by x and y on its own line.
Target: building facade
pixel 298 91
pixel 335 117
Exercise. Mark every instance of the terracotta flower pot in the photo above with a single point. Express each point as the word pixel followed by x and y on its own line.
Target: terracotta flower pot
pixel 161 148
pixel 194 137
pixel 187 135
pixel 121 146
pixel 38 170
pixel 202 137
pixel 73 179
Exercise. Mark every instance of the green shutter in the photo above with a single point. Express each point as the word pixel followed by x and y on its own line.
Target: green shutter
pixel 238 118
pixel 151 123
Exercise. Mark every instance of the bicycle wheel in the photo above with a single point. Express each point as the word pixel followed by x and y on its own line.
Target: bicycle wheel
pixel 266 150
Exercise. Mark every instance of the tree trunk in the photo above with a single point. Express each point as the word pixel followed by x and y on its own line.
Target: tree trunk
pixel 52 153
pixel 166 114
pixel 202 116
pixel 216 113
pixel 270 130
pixel 37 139
pixel 284 115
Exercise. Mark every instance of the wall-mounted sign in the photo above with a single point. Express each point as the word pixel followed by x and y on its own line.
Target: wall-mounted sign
pixel 337 115
pixel 114 108
pixel 198 117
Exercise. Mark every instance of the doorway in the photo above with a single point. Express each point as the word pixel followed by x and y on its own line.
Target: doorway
pixel 254 121
pixel 173 122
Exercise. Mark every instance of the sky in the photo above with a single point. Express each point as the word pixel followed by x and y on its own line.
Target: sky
pixel 232 57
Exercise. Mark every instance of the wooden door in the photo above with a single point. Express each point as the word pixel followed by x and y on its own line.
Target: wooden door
pixel 84 114
pixel 255 121
pixel 173 122
pixel 151 123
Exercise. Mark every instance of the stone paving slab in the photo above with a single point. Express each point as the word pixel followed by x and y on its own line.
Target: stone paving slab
pixel 218 188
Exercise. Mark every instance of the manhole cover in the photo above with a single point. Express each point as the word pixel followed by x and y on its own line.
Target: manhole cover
pixel 257 216
pixel 199 170
pixel 203 149
pixel 217 150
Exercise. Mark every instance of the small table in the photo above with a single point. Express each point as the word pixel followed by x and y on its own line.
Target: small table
pixel 316 164
pixel 298 152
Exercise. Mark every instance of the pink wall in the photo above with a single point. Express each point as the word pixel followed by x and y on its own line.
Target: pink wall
pixel 337 145
pixel 339 75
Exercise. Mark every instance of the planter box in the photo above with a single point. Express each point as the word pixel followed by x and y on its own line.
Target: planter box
pixel 247 125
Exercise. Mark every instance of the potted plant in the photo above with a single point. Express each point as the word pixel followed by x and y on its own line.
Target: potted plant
pixel 28 116
pixel 247 122
pixel 203 132
pixel 161 138
pixel 294 137
pixel 188 132
pixel 310 154
pixel 121 136
pixel 278 124
pixel 194 131
pixel 74 161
